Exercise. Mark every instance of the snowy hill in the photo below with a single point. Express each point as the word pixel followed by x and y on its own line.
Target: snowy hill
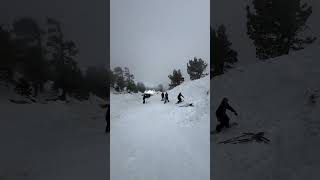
pixel 52 141
pixel 156 141
pixel 274 97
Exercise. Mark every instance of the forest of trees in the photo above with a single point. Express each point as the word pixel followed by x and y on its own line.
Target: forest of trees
pixel 277 27
pixel 122 80
pixel 195 68
pixel 33 55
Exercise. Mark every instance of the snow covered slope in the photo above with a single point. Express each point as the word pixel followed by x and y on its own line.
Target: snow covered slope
pixel 157 141
pixel 273 97
pixel 54 141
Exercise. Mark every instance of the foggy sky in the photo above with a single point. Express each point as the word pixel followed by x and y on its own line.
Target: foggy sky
pixel 84 22
pixel 153 37
pixel 232 14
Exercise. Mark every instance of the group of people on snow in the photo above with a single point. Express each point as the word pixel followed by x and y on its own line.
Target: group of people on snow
pixel 165 97
pixel 221 115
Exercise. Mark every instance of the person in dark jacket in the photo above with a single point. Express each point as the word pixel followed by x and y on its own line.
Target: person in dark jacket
pixel 179 98
pixel 144 98
pixel 166 99
pixel 162 96
pixel 222 116
pixel 108 119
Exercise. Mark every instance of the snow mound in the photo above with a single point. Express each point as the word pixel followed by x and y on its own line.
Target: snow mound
pixel 152 92
pixel 278 97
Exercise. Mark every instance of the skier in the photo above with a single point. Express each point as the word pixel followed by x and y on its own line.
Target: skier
pixel 222 116
pixel 166 99
pixel 179 98
pixel 108 119
pixel 162 96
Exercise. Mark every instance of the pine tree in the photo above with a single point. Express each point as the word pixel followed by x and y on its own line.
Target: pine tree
pixel 119 78
pixel 63 58
pixel 31 51
pixel 196 68
pixel 129 83
pixel 160 88
pixel 141 87
pixel 276 26
pixel 176 78
pixel 222 55
pixel 8 55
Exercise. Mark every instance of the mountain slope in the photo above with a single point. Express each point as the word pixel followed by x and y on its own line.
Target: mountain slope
pixel 273 97
pixel 161 141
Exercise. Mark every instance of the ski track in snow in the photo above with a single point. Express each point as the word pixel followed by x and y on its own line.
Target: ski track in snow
pixel 157 141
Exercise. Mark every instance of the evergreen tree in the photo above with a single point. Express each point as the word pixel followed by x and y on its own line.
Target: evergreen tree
pixel 63 58
pixel 276 26
pixel 23 87
pixel 129 79
pixel 196 68
pixel 176 78
pixel 222 55
pixel 31 51
pixel 141 87
pixel 97 81
pixel 8 55
pixel 119 79
pixel 160 88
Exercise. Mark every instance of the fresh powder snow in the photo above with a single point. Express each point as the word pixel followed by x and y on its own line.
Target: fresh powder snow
pixel 157 141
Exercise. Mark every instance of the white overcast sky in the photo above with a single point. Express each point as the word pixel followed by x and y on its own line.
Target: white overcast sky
pixel 153 37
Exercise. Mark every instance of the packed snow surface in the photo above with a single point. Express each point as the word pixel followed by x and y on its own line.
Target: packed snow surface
pixel 157 141
pixel 53 141
pixel 281 98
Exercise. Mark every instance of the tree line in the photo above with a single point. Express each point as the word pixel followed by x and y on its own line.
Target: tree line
pixel 32 55
pixel 195 68
pixel 276 27
pixel 121 79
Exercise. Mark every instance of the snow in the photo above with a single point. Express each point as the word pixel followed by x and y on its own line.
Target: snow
pixel 152 92
pixel 157 141
pixel 54 141
pixel 273 97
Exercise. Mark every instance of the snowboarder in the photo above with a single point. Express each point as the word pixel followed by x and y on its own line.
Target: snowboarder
pixel 222 116
pixel 108 119
pixel 179 98
pixel 162 96
pixel 166 99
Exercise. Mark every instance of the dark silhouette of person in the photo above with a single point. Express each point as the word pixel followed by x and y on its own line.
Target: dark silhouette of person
pixel 108 119
pixel 166 99
pixel 144 98
pixel 222 116
pixel 179 98
pixel 162 96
